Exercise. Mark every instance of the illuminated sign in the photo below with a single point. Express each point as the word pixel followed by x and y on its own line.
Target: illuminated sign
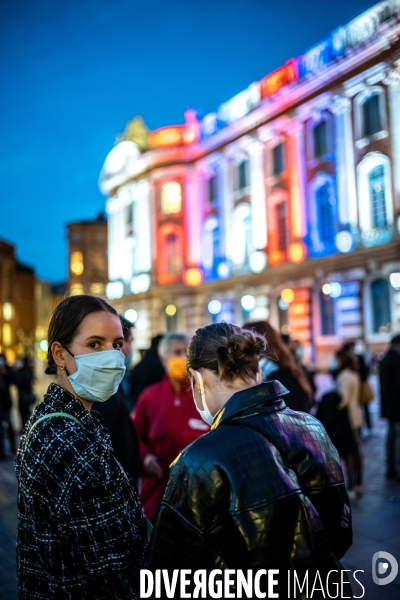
pixel 364 26
pixel 176 135
pixel 322 54
pixel 278 79
pixel 237 107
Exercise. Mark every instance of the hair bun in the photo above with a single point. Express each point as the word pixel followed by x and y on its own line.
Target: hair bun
pixel 239 352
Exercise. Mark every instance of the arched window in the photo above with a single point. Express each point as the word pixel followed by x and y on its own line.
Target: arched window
pixel 281 220
pixel 376 182
pixel 242 174
pixel 241 235
pixel 170 253
pixel 320 139
pixel 171 198
pixel 381 318
pixel 327 314
pixel 375 204
pixel 174 260
pixel 323 214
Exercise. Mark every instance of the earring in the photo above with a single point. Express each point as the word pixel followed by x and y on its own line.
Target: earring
pixel 62 368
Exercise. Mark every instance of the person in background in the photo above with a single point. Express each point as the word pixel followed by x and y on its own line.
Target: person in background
pixel 389 376
pixel 264 488
pixel 23 379
pixel 348 388
pixel 5 408
pixel 281 366
pixel 148 371
pixel 366 394
pixel 166 421
pixel 116 416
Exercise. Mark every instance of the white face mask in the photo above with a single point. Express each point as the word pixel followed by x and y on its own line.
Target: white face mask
pixel 99 374
pixel 205 413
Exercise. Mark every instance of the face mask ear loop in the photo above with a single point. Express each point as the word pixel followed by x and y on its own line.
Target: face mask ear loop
pixel 70 353
pixel 202 392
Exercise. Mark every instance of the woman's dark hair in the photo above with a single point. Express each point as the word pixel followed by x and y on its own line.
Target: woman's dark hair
pixel 226 349
pixel 279 352
pixel 66 320
pixel 347 360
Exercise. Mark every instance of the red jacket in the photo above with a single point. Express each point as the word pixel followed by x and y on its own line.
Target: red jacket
pixel 166 422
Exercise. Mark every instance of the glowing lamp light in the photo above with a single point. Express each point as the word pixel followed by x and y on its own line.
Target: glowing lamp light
pixel 44 345
pixel 7 311
pixel 276 257
pixel 326 289
pixel 193 277
pixel 248 302
pixel 131 315
pixel 285 329
pixel 395 280
pixel 214 307
pixel 287 295
pixel 170 310
pixel 258 261
pixel 282 305
pixel 344 241
pixel 140 283
pixel 336 289
pixel 223 270
pixel 296 252
pixel 114 290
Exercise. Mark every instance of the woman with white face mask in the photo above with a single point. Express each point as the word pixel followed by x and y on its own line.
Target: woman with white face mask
pixel 264 488
pixel 81 528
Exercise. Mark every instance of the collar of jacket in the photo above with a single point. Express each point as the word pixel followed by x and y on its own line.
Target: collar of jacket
pixel 268 395
pixel 58 399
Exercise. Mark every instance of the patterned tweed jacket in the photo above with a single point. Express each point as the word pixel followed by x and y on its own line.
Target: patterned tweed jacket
pixel 263 489
pixel 81 528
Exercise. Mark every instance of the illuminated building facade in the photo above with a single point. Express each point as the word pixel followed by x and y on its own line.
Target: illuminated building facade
pixel 87 256
pixel 283 204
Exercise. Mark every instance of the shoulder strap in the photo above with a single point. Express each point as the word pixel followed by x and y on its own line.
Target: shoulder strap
pixel 51 416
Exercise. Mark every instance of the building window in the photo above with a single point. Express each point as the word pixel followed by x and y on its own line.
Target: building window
pixel 326 213
pixel 327 312
pixel 211 244
pixel 213 189
pixel 174 260
pixel 171 198
pixel 320 137
pixel 381 319
pixel 129 213
pixel 279 159
pixel 243 174
pixel 371 114
pixel 76 263
pixel 376 182
pixel 241 234
pixel 281 222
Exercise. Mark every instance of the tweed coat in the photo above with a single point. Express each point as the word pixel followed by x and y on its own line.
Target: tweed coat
pixel 81 528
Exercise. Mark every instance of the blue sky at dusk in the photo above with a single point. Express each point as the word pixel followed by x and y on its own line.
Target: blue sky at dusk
pixel 73 73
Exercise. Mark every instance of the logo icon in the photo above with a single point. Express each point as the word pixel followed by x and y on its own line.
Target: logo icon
pixel 383 567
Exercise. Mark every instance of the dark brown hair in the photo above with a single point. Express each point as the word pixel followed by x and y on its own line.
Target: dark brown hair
pixel 347 360
pixel 226 349
pixel 279 352
pixel 66 320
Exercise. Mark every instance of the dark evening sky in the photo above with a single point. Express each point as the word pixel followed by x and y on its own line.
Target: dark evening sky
pixel 74 72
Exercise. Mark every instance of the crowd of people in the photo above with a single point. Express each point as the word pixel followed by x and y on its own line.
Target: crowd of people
pixel 121 448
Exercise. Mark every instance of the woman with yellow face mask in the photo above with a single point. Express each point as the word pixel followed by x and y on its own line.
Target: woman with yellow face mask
pixel 166 421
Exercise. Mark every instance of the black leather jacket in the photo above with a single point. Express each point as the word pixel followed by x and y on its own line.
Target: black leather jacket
pixel 263 489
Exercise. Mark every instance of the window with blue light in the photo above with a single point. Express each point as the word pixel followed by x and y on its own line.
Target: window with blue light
pixel 213 189
pixel 320 138
pixel 326 213
pixel 243 174
pixel 278 159
pixel 381 318
pixel 282 226
pixel 376 181
pixel 327 314
pixel 372 117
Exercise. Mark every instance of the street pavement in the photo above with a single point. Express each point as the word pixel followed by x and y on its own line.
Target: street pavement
pixel 376 522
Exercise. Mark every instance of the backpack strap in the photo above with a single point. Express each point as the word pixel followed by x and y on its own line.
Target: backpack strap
pixel 51 416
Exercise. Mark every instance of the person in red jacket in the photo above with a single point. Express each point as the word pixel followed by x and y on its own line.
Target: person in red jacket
pixel 166 421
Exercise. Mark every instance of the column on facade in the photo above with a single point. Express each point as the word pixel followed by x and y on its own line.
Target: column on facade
pixel 193 198
pixel 295 130
pixel 142 227
pixel 393 81
pixel 257 195
pixel 116 238
pixel 345 166
pixel 226 191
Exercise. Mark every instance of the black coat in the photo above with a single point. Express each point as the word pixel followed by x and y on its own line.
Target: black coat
pixel 263 489
pixel 337 424
pixel 122 432
pixel 389 376
pixel 297 399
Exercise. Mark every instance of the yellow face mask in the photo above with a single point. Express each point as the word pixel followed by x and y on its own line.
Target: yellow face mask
pixel 176 367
